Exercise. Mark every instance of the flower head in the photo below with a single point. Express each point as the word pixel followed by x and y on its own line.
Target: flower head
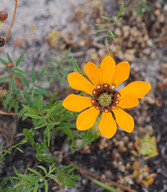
pixel 103 97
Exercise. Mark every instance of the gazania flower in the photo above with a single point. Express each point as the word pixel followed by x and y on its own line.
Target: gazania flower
pixel 104 100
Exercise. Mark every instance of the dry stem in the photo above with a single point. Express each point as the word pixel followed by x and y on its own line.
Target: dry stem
pixel 91 175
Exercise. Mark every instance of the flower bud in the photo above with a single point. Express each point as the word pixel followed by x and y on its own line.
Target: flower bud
pixel 9 65
pixel 3 15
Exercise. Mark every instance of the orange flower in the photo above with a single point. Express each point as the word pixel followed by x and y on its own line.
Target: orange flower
pixel 104 98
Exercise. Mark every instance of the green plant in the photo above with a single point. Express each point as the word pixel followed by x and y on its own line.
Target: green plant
pixel 107 32
pixel 139 5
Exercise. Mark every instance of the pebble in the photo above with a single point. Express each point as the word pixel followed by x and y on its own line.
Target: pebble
pixel 150 42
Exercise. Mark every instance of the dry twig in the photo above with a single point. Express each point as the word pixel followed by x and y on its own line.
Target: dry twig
pixel 91 175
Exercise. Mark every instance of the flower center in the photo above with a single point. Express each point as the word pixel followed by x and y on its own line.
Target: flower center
pixel 105 99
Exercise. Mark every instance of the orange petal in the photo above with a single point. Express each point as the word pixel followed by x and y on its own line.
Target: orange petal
pixel 124 120
pixel 121 73
pixel 127 101
pixel 137 88
pixel 94 73
pixel 107 68
pixel 107 125
pixel 79 82
pixel 76 103
pixel 87 119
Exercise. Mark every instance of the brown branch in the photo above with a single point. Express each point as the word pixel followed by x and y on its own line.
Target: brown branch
pixel 14 15
pixel 91 175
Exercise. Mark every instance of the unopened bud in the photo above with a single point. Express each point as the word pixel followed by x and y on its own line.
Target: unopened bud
pixel 3 15
pixel 9 65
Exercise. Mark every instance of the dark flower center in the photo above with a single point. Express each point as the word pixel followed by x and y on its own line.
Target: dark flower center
pixel 105 98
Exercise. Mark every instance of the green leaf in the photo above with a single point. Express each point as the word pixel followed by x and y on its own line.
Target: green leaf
pixel 75 65
pixel 7 100
pixel 35 172
pixel 19 60
pixel 16 105
pixel 3 79
pixel 42 90
pixel 100 30
pixel 3 61
pixel 105 186
pixel 116 22
pixel 33 75
pixel 23 78
pixel 42 72
pixel 52 124
pixel 19 149
pixel 29 135
pixel 67 67
pixel 17 74
pixel 121 10
pixel 55 61
pixel 43 153
pixel 40 103
pixel 69 125
pixel 16 172
pixel 112 35
pixel 103 25
pixel 12 84
pixel 139 10
pixel 25 82
pixel 52 99
pixel 46 185
pixel 54 177
pixel 30 109
pixel 36 101
pixel 36 187
pixel 9 58
pixel 67 53
pixel 106 44
pixel 146 6
pixel 43 125
pixel 98 37
pixel 129 7
pixel 107 18
pixel 32 116
pixel 20 71
pixel 61 80
pixel 11 105
pixel 23 110
pixel 43 168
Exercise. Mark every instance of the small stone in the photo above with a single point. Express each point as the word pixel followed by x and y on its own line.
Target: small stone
pixel 115 163
pixel 149 129
pixel 147 51
pixel 109 173
pixel 130 145
pixel 84 181
pixel 165 8
pixel 126 31
pixel 157 12
pixel 161 18
pixel 118 32
pixel 128 166
pixel 116 156
pixel 150 43
pixel 125 139
pixel 122 168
